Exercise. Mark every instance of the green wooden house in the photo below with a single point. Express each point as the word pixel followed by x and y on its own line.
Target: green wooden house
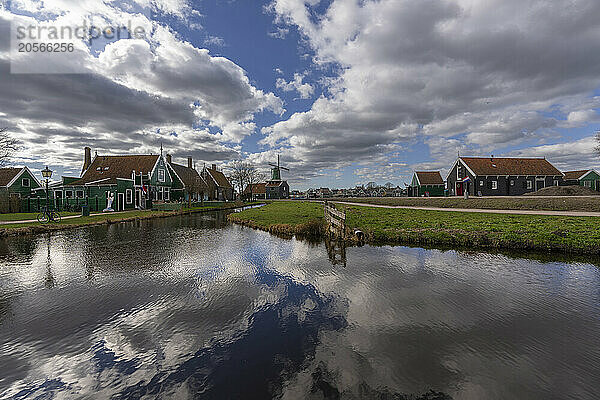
pixel 131 181
pixel 588 178
pixel 426 183
pixel 15 184
pixel 18 181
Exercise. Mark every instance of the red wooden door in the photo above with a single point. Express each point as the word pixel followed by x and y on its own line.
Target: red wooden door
pixel 459 189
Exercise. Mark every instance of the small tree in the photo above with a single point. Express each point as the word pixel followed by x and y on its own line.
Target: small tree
pixel 253 177
pixel 243 174
pixel 8 146
pixel 238 175
pixel 196 188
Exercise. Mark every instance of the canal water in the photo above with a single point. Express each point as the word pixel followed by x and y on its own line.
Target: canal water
pixel 192 307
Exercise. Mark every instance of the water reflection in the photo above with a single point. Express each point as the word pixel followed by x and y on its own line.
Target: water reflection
pixel 336 251
pixel 190 307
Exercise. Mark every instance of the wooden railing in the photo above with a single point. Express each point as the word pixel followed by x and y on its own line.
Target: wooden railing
pixel 335 220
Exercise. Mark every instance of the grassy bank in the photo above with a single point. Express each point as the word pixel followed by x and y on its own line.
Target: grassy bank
pixel 101 219
pixel 284 218
pixel 439 228
pixel 499 203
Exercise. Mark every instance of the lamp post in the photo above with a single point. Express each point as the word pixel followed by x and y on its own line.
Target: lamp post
pixel 47 173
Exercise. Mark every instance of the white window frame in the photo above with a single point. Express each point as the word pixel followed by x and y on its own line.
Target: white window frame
pixel 555 182
pixel 494 185
pixel 56 193
pixel 167 194
pixel 28 182
pixel 161 175
pixel 78 192
pixel 68 194
pixel 481 183
pixel 128 196
pixel 529 184
pixel 587 184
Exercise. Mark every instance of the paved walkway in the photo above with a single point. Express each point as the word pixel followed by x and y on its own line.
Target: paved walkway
pixel 28 221
pixel 481 210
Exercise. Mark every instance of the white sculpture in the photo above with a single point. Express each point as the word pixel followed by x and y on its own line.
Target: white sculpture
pixel 109 201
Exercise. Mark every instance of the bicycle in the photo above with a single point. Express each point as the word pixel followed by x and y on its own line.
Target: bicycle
pixel 46 216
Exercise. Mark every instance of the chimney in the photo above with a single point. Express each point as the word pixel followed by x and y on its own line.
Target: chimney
pixel 190 163
pixel 214 167
pixel 87 158
pixel 169 159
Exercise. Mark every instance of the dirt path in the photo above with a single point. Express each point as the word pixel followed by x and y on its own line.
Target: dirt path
pixel 480 210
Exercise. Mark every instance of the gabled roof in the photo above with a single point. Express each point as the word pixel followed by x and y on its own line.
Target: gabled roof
pixel 572 175
pixel 257 188
pixel 219 178
pixel 189 176
pixel 107 169
pixel 8 174
pixel 509 166
pixel 274 183
pixel 429 177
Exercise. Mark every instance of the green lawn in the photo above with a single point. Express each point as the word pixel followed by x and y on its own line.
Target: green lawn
pixel 288 213
pixel 570 234
pixel 591 203
pixel 443 228
pixel 287 218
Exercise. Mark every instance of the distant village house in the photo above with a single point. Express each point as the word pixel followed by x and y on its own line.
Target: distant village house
pixel 426 183
pixel 587 178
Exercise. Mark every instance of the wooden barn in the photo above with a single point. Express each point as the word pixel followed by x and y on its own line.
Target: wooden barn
pixel 501 176
pixel 256 191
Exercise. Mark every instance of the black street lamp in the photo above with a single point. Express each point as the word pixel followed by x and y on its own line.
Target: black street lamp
pixel 47 173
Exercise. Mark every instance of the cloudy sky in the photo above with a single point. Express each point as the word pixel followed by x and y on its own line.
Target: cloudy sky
pixel 347 91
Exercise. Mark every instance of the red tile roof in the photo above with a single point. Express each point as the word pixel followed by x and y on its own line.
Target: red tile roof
pixel 510 166
pixel 430 177
pixel 8 174
pixel 109 168
pixel 274 183
pixel 257 188
pixel 571 175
